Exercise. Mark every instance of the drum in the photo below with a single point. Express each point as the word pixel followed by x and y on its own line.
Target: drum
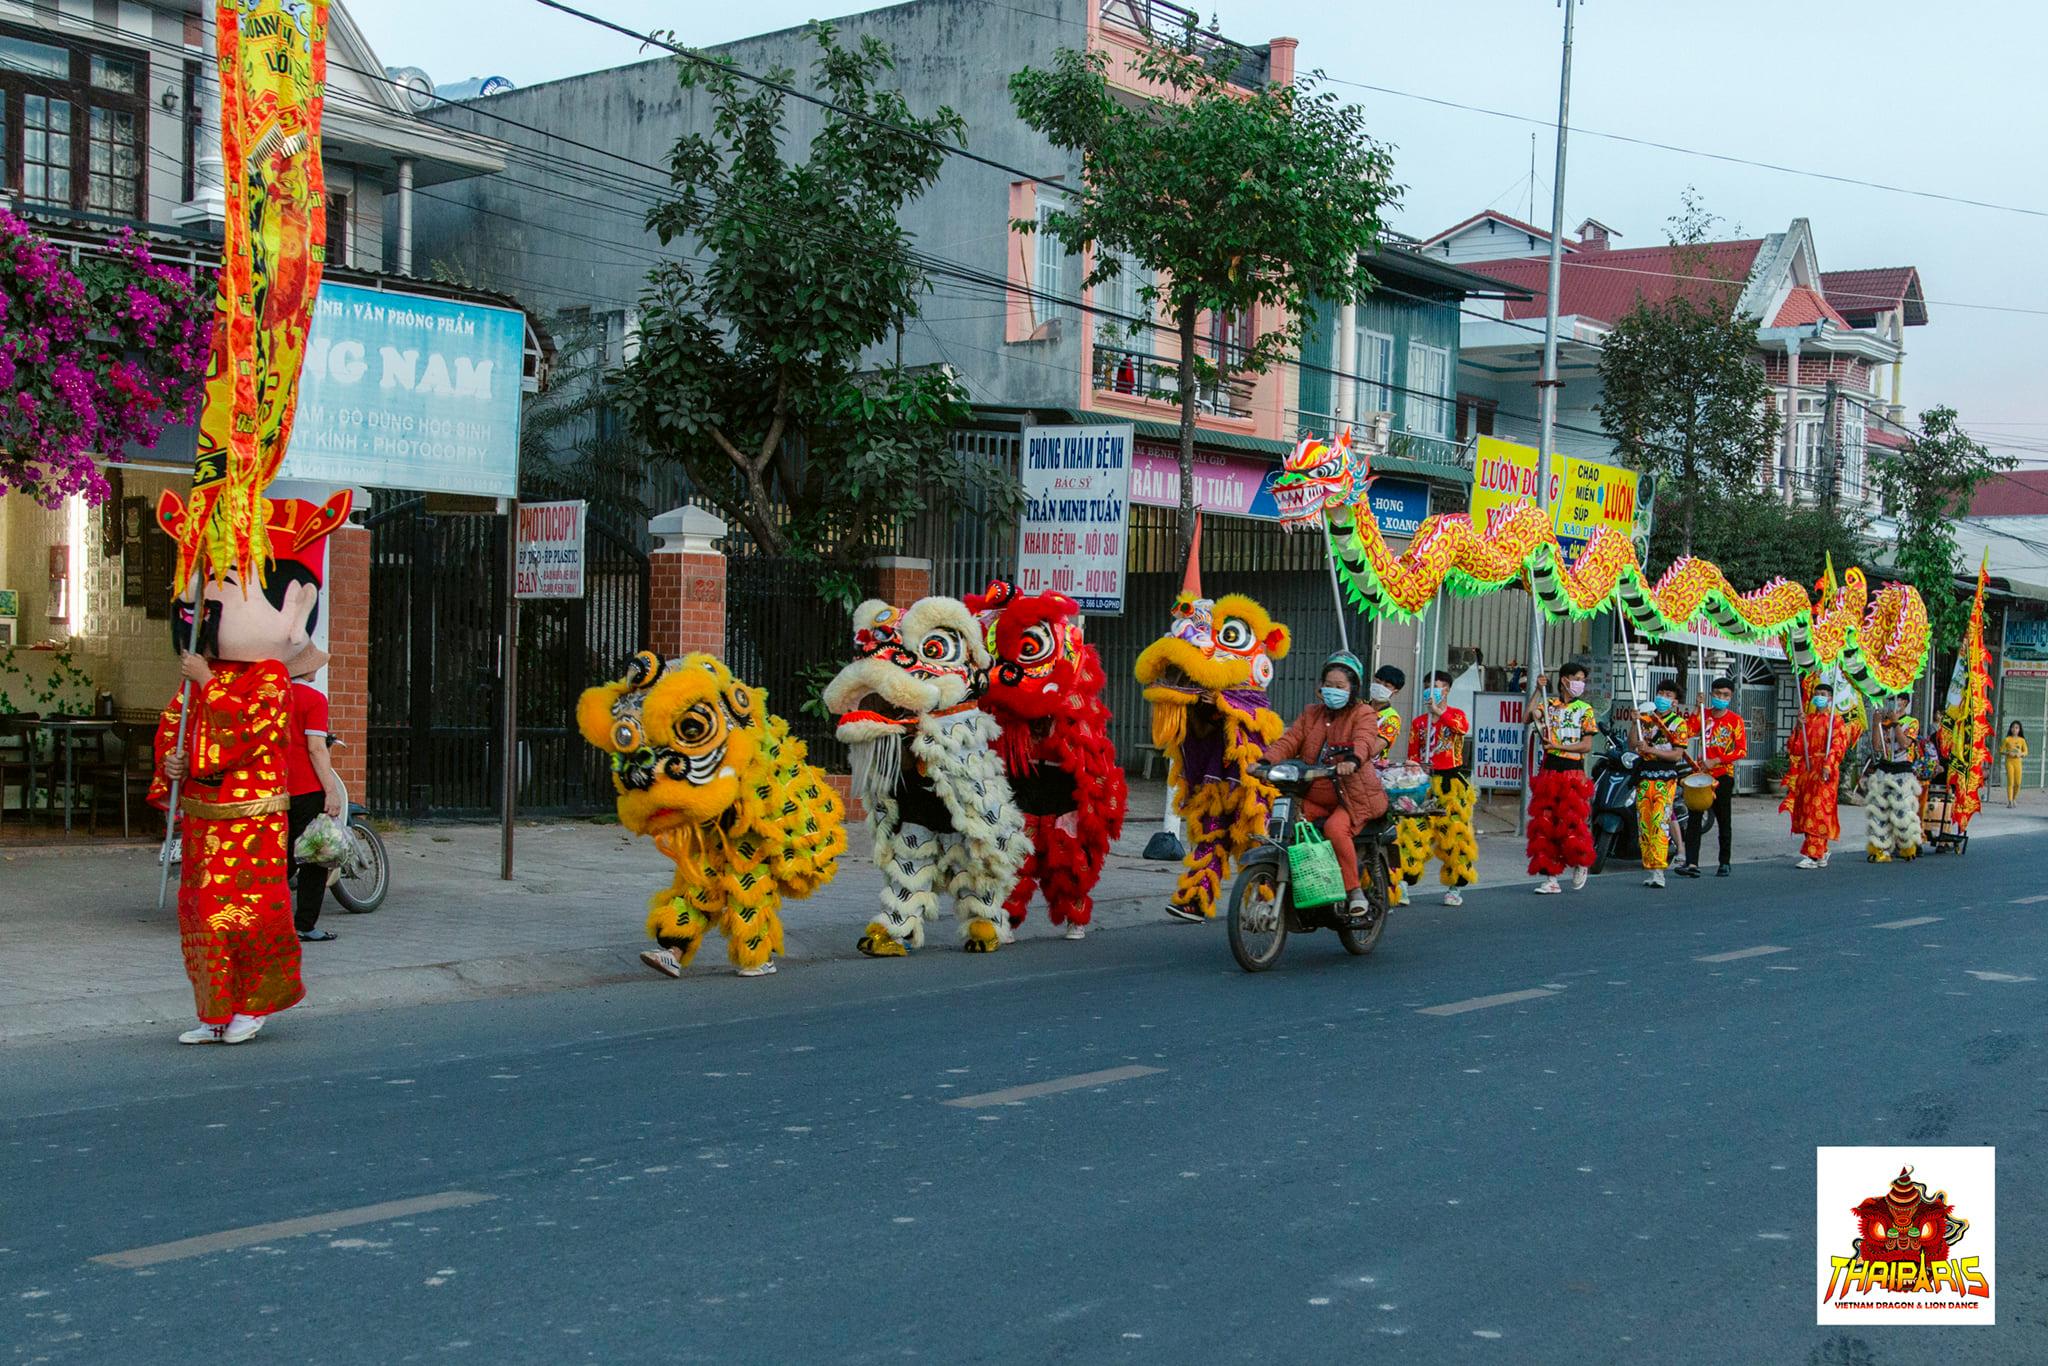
pixel 1698 790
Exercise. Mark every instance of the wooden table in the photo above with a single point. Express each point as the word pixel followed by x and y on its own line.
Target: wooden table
pixel 66 731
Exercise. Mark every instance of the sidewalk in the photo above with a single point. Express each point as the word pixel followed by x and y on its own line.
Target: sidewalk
pixel 84 949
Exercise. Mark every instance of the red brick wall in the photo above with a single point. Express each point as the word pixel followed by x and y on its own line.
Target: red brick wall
pixel 346 607
pixel 686 604
pixel 904 583
pixel 1816 370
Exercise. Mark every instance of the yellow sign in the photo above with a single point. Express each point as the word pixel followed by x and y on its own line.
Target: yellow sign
pixel 1584 495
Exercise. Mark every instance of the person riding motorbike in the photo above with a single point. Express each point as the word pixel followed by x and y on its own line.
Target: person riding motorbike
pixel 1342 732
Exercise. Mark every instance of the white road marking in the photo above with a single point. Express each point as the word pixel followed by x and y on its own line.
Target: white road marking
pixel 1053 1087
pixel 1759 951
pixel 1995 976
pixel 288 1228
pixel 1505 998
pixel 1908 924
pixel 2030 900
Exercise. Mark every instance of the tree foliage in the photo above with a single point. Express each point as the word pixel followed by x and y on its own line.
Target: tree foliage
pixel 1236 199
pixel 1683 393
pixel 572 444
pixel 1754 536
pixel 1924 487
pixel 749 370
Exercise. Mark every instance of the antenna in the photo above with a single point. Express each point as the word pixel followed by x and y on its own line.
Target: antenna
pixel 1532 180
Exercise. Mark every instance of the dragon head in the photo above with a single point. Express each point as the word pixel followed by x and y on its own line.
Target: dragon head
pixel 682 734
pixel 1318 478
pixel 929 658
pixel 1035 640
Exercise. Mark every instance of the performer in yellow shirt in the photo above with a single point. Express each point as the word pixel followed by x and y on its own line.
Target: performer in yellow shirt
pixel 2014 748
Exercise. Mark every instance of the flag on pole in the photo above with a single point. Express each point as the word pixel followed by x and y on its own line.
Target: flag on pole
pixel 273 76
pixel 1968 716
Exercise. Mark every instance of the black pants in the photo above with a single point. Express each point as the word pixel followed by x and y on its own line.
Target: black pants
pixel 1695 821
pixel 309 884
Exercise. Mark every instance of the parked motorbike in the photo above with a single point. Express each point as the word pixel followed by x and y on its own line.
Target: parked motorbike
pixel 365 874
pixel 1262 910
pixel 1614 800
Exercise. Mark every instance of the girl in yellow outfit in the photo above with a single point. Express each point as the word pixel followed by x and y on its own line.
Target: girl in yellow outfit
pixel 1663 765
pixel 1436 740
pixel 2014 748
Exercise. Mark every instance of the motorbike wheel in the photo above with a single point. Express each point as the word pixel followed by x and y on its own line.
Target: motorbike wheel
pixel 1258 917
pixel 365 873
pixel 1603 845
pixel 1361 940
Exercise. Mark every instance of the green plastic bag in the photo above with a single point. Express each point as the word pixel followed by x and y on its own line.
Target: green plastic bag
pixel 1316 879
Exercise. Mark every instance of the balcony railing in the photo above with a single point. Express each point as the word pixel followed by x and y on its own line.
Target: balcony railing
pixel 1162 22
pixel 1423 450
pixel 1140 374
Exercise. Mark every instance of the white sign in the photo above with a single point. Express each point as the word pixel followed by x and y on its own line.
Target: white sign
pixel 1497 740
pixel 1906 1235
pixel 1073 535
pixel 550 551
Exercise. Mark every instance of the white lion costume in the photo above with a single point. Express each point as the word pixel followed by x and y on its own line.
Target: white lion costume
pixel 925 765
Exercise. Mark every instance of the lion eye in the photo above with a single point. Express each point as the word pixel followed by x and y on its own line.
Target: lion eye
pixel 1036 646
pixel 740 702
pixel 695 726
pixel 943 647
pixel 626 735
pixel 1234 634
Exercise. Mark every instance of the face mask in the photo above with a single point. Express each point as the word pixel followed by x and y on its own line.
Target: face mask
pixel 1575 687
pixel 1335 698
pixel 1718 703
pixel 1433 695
pixel 1821 701
pixel 1381 692
pixel 1663 703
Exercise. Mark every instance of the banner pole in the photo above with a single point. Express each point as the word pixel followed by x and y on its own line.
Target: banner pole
pixel 509 733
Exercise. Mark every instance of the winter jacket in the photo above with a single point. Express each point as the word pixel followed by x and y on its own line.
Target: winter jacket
pixel 1316 732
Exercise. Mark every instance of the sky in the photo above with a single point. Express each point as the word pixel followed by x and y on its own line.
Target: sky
pixel 1909 96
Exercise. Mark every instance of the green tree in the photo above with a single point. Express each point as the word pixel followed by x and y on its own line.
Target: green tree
pixel 749 370
pixel 1924 487
pixel 1682 391
pixel 571 442
pixel 1234 198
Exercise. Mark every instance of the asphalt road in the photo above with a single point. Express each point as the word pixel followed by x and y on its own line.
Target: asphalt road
pixel 1310 1165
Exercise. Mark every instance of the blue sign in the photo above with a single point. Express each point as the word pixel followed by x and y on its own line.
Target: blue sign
pixel 409 392
pixel 1399 505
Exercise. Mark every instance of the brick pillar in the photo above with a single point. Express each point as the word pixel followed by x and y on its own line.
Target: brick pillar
pixel 346 607
pixel 902 580
pixel 686 585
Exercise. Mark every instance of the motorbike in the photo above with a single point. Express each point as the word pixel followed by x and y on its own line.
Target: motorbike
pixel 1262 911
pixel 1614 800
pixel 364 877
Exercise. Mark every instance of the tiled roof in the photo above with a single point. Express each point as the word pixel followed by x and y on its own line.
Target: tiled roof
pixel 1607 285
pixel 1886 437
pixel 1803 306
pixel 1505 221
pixel 1862 294
pixel 2012 493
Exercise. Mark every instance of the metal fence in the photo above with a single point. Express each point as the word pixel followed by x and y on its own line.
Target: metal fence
pixel 437 696
pixel 785 639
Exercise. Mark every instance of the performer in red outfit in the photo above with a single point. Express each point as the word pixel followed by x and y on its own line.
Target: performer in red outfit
pixel 1817 747
pixel 234 907
pixel 1560 795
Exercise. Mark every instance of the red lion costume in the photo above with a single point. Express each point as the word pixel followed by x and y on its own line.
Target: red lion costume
pixel 1046 693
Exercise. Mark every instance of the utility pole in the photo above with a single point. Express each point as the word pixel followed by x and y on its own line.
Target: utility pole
pixel 1549 384
pixel 1830 451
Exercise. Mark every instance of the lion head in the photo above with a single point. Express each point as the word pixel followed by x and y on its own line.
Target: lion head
pixel 910 663
pixel 1040 658
pixel 681 733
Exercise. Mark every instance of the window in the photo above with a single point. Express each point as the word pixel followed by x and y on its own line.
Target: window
pixel 1429 374
pixel 1807 431
pixel 1050 279
pixel 1125 311
pixel 338 226
pixel 188 189
pixel 1230 339
pixel 74 124
pixel 1853 435
pixel 1375 392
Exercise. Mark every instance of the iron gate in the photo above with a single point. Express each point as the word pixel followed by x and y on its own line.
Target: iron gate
pixel 437 611
pixel 787 641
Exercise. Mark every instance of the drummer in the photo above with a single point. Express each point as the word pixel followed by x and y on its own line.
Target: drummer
pixel 1660 737
pixel 1727 741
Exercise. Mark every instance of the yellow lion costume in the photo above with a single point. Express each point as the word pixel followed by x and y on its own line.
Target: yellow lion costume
pixel 701 765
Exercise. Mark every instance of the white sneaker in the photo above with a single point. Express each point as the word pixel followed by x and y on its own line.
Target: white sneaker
pixel 1655 879
pixel 1077 932
pixel 242 1028
pixel 1579 879
pixel 1823 862
pixel 663 961
pixel 206 1033
pixel 1453 898
pixel 766 969
pixel 1806 863
pixel 1548 887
